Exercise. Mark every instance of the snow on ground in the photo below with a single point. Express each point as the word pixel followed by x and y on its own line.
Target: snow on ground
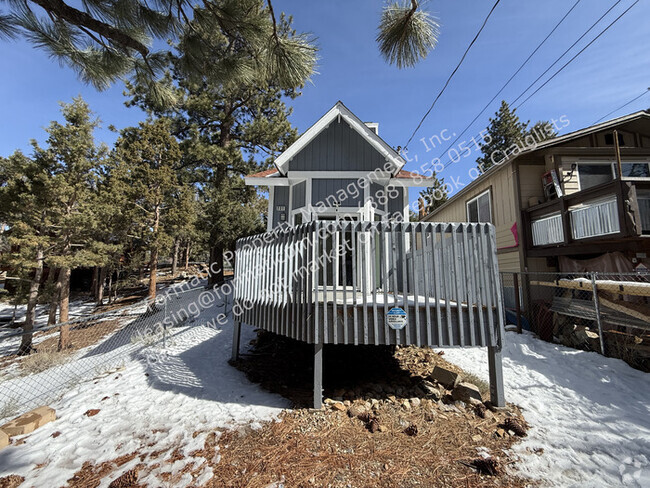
pixel 156 402
pixel 590 414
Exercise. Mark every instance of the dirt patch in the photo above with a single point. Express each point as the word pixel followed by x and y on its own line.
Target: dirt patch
pixel 329 448
pixel 11 481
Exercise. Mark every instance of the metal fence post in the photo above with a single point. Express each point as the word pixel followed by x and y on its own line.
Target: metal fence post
pixel 236 337
pixel 497 395
pixel 515 282
pixel 165 325
pixel 594 292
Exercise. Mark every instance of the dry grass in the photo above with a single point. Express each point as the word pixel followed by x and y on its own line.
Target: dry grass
pixel 42 360
pixel 331 449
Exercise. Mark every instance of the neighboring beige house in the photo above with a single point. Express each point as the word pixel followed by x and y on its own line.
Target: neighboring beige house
pixel 596 214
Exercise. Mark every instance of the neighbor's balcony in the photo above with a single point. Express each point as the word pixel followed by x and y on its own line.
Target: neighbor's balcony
pixel 612 210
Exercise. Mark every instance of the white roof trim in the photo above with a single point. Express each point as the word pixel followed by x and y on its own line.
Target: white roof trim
pixel 272 180
pixel 339 110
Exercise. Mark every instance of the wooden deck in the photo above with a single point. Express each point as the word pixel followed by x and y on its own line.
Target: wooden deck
pixel 338 282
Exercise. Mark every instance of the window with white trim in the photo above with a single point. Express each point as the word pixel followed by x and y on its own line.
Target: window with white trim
pixel 594 173
pixel 479 208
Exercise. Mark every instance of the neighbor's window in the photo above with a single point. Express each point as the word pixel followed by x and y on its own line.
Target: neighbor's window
pixel 479 208
pixel 636 170
pixel 596 173
pixel 592 174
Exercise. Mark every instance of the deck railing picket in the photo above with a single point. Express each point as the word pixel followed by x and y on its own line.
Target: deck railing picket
pixel 363 248
pixel 354 283
pixel 344 272
pixel 459 286
pixel 335 277
pixel 373 284
pixel 385 280
pixel 425 279
pixel 324 258
pixel 414 280
pixel 393 270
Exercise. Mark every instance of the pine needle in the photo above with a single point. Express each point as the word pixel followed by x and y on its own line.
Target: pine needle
pixel 406 34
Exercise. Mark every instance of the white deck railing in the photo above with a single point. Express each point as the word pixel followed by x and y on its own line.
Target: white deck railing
pixel 595 219
pixel 335 282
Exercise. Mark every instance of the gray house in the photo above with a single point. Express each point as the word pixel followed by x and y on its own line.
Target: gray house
pixel 340 262
pixel 338 169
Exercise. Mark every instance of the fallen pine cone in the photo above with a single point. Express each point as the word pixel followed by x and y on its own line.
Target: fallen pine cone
pixel 489 466
pixel 518 427
pixel 365 417
pixel 480 409
pixel 127 480
pixel 411 430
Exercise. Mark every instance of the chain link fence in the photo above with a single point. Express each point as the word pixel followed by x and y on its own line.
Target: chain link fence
pixel 604 312
pixel 99 343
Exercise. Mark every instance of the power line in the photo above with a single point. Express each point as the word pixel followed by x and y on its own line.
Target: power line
pixel 557 60
pixel 647 90
pixel 579 53
pixel 452 74
pixel 572 59
pixel 510 79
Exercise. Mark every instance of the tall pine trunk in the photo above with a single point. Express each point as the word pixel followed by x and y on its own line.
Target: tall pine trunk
pixel 153 263
pixel 34 285
pixel 177 246
pixel 215 273
pixel 100 285
pixel 187 255
pixel 64 304
pixel 93 284
pixel 54 301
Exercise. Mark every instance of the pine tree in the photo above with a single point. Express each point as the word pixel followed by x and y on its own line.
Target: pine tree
pixel 104 41
pixel 108 40
pixel 507 137
pixel 72 161
pixel 24 208
pixel 226 129
pixel 434 196
pixel 146 160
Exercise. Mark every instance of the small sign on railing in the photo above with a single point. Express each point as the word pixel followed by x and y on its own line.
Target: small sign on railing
pixel 396 318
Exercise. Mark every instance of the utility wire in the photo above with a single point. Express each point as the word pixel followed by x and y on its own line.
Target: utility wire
pixel 646 91
pixel 452 74
pixel 557 60
pixel 579 53
pixel 510 79
pixel 572 59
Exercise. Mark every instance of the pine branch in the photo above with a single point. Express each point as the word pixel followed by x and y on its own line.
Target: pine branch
pixel 81 19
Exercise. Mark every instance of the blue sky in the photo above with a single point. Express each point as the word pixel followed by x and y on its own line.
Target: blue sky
pixel 612 71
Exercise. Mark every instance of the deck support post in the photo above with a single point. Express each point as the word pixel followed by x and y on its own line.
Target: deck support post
pixel 497 397
pixel 318 376
pixel 236 337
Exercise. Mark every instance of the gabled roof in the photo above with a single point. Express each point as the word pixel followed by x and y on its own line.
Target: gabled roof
pixel 339 111
pixel 608 124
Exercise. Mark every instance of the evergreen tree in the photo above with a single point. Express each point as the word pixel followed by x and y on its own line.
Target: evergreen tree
pixel 434 196
pixel 107 40
pixel 72 161
pixel 146 159
pixel 226 129
pixel 24 207
pixel 507 136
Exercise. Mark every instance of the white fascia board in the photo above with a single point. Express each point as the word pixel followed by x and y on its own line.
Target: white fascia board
pixel 266 181
pixel 339 110
pixel 336 175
